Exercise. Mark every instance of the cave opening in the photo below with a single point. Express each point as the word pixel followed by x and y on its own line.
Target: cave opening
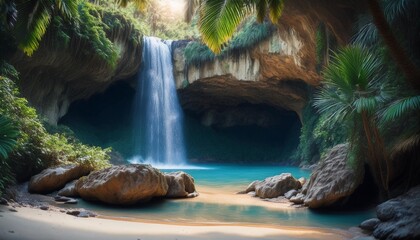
pixel 267 135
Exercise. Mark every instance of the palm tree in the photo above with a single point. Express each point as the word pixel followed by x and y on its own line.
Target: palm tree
pixel 401 58
pixel 350 93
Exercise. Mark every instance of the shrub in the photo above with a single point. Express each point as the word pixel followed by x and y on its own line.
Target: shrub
pixel 37 149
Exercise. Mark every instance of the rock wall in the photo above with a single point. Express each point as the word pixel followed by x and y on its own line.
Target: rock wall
pixel 54 77
pixel 277 72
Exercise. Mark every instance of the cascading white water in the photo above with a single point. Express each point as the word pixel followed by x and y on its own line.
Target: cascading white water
pixel 157 115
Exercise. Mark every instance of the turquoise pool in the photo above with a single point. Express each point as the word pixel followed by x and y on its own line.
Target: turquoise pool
pixel 232 178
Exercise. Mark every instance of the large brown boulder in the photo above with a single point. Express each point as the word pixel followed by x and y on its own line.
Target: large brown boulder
pixel 273 187
pixel 334 179
pixel 55 178
pixel 399 217
pixel 123 185
pixel 180 185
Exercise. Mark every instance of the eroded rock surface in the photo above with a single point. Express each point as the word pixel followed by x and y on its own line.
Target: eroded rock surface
pixel 399 217
pixel 123 185
pixel 180 184
pixel 57 75
pixel 333 179
pixel 55 178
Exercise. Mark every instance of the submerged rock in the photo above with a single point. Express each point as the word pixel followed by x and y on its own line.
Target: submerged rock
pixel 333 179
pixel 69 190
pixel 55 178
pixel 123 185
pixel 180 184
pixel 273 187
pixel 400 217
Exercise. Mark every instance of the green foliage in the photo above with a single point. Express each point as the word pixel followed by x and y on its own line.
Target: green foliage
pixel 219 19
pixel 93 30
pixel 400 107
pixel 34 17
pixel 317 136
pixel 196 54
pixel 250 34
pixel 8 136
pixel 36 149
pixel 350 84
pixel 8 70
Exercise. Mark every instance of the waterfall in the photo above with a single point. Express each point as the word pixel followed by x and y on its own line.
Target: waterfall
pixel 158 133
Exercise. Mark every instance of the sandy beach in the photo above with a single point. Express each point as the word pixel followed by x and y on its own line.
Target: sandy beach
pixel 31 223
pixel 228 196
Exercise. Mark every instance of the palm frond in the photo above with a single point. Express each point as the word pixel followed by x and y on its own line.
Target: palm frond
pixel 8 136
pixel 333 105
pixel 68 8
pixel 275 9
pixel 367 104
pixel 219 20
pixel 394 8
pixel 36 28
pixel 406 143
pixel 401 107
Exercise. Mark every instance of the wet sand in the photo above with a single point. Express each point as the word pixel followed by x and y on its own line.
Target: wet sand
pixel 31 223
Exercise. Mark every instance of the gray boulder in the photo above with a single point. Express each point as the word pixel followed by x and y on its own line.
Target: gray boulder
pixel 298 199
pixel 290 193
pixel 400 217
pixel 180 185
pixel 123 184
pixel 333 179
pixel 369 224
pixel 55 178
pixel 69 190
pixel 273 187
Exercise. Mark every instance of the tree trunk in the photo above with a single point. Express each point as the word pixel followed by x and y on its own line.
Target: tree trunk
pixel 401 58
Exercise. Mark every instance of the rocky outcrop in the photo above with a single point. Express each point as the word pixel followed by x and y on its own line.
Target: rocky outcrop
pixel 273 187
pixel 180 185
pixel 55 178
pixel 57 75
pixel 276 72
pixel 333 179
pixel 123 185
pixel 399 217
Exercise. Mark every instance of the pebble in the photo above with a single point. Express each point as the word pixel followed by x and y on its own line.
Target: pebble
pixel 12 210
pixel 44 207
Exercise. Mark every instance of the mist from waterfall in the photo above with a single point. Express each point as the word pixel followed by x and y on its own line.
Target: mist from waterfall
pixel 158 117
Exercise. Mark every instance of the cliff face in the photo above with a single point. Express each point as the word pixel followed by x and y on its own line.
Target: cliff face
pixel 276 72
pixel 54 77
